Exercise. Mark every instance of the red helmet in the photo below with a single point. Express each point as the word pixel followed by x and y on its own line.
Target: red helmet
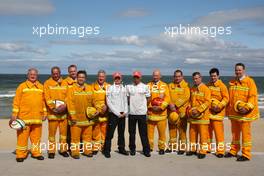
pixel 157 101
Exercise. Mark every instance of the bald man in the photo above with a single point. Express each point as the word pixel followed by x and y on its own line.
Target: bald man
pixel 157 112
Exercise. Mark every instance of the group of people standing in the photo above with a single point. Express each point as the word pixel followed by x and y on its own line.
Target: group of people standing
pixel 153 105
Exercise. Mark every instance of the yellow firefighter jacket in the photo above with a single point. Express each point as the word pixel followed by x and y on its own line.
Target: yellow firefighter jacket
pixel 200 99
pixel 180 96
pixel 54 90
pixel 99 97
pixel 243 90
pixel 29 103
pixel 219 91
pixel 70 82
pixel 78 99
pixel 159 89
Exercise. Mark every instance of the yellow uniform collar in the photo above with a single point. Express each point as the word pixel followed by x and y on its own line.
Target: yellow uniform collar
pixel 98 87
pixel 180 85
pixel 81 88
pixel 216 84
pixel 55 83
pixel 70 81
pixel 31 85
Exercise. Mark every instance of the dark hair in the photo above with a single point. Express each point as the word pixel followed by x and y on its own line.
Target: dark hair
pixel 55 68
pixel 82 72
pixel 241 64
pixel 178 71
pixel 214 70
pixel 72 66
pixel 196 73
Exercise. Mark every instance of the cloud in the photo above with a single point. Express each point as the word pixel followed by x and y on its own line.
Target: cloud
pixel 193 61
pixel 190 52
pixel 127 53
pixel 132 13
pixel 118 55
pixel 26 7
pixel 123 40
pixel 226 17
pixel 179 42
pixel 134 40
pixel 21 47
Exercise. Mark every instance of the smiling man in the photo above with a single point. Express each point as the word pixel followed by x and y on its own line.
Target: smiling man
pixel 29 106
pixel 219 101
pixel 99 129
pixel 138 94
pixel 79 98
pixel 180 97
pixel 199 116
pixel 55 89
pixel 242 110
pixel 72 76
pixel 116 99
pixel 157 112
pixel 70 80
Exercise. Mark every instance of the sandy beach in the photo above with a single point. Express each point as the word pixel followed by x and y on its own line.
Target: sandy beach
pixel 131 165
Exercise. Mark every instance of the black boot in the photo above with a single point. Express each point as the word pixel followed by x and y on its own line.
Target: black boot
pixel 95 152
pixel 229 155
pixel 242 158
pixel 107 154
pixel 19 160
pixel 51 155
pixel 168 151
pixel 132 152
pixel 38 157
pixel 190 153
pixel 146 154
pixel 201 156
pixel 180 152
pixel 64 154
pixel 161 152
pixel 219 155
pixel 90 155
pixel 123 152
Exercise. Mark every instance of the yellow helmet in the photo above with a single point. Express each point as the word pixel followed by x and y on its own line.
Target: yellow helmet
pixel 215 102
pixel 90 112
pixel 99 105
pixel 240 104
pixel 173 117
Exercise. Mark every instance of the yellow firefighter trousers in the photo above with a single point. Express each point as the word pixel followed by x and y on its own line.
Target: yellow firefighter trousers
pixel 34 133
pixel 99 133
pixel 216 127
pixel 76 133
pixel 202 131
pixel 161 125
pixel 62 125
pixel 237 128
pixel 180 144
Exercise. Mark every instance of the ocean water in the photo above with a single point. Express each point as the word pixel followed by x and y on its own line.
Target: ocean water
pixel 9 82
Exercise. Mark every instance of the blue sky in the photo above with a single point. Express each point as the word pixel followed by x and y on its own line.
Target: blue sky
pixel 132 36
